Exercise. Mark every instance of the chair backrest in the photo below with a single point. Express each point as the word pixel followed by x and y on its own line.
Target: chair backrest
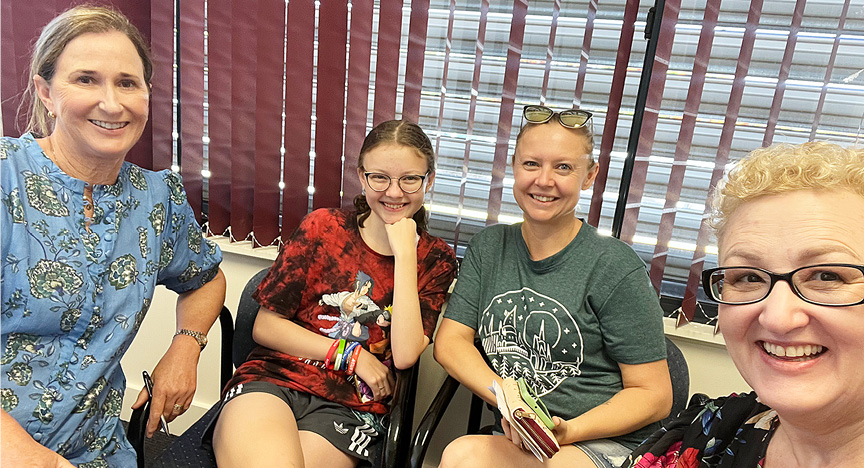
pixel 247 310
pixel 680 375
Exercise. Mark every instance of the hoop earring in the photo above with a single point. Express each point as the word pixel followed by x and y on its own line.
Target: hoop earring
pixel 52 115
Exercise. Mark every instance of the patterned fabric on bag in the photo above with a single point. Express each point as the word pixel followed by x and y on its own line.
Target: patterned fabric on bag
pixel 728 432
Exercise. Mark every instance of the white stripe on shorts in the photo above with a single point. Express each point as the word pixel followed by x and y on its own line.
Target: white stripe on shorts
pixel 361 438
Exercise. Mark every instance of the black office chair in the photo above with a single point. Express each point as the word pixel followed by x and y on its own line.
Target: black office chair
pixel 680 389
pixel 186 450
pixel 137 429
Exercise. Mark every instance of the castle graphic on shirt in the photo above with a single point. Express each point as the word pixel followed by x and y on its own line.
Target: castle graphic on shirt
pixel 530 335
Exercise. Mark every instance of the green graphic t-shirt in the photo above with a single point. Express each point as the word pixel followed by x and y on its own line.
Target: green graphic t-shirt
pixel 565 322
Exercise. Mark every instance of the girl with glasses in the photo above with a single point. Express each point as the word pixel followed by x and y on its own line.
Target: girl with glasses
pixel 567 309
pixel 790 283
pixel 352 295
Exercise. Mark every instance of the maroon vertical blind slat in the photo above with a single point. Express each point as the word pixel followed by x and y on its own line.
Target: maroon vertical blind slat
pixel 785 64
pixel 357 100
pixel 653 101
pixel 586 53
pixel 162 96
pixel 685 140
pixel 330 103
pixel 616 94
pixel 191 93
pixel 219 113
pixel 479 46
pixel 387 61
pixel 505 116
pixel 22 24
pixel 688 305
pixel 298 105
pixel 139 14
pixel 11 81
pixel 446 69
pixel 415 59
pixel 841 24
pixel 243 87
pixel 550 47
pixel 268 119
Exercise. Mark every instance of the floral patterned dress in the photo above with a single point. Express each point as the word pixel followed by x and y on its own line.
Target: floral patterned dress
pixel 73 298
pixel 728 432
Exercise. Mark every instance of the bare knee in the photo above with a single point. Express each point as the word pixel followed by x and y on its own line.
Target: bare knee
pixel 257 430
pixel 464 451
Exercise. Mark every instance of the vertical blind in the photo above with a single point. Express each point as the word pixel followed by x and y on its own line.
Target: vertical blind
pixel 269 101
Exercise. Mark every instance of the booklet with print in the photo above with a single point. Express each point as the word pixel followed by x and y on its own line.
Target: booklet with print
pixel 527 415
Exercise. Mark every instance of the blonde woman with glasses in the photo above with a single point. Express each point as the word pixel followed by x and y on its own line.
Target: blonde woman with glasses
pixel 790 284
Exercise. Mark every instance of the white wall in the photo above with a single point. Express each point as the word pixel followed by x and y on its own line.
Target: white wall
pixel 711 370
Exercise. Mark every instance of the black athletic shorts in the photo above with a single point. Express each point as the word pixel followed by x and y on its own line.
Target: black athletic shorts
pixel 359 434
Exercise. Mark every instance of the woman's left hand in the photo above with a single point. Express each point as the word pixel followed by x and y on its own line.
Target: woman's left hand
pixel 402 236
pixel 563 430
pixel 174 382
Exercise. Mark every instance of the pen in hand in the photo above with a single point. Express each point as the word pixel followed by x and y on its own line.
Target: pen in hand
pixel 148 383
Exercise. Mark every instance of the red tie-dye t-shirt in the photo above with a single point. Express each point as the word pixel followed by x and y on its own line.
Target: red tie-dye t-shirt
pixel 327 280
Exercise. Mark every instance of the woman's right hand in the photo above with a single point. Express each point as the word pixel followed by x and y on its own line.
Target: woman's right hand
pixel 511 433
pixel 402 236
pixel 375 374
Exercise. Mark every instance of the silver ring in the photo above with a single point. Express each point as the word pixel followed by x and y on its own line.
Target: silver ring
pixel 178 408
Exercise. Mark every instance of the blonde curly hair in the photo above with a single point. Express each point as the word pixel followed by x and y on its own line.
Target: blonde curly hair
pixel 782 168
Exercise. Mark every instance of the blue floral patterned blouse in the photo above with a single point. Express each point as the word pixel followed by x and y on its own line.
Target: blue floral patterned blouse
pixel 72 300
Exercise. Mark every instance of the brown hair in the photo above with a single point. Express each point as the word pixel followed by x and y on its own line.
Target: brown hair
pixel 783 168
pixel 403 133
pixel 52 41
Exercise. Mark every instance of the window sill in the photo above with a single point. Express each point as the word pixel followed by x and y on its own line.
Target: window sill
pixel 245 248
pixel 698 332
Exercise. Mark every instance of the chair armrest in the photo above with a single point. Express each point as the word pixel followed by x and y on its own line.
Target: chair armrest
pixel 401 417
pixel 430 422
pixel 136 432
pixel 226 324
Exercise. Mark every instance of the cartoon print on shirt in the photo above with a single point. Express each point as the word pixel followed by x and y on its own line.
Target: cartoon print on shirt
pixel 533 336
pixel 352 306
pixel 382 318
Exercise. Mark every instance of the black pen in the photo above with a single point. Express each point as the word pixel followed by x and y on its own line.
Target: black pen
pixel 148 382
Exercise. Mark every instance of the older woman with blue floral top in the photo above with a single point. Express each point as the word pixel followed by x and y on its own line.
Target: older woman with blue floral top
pixel 86 237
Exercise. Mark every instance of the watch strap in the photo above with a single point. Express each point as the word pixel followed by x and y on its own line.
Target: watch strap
pixel 199 337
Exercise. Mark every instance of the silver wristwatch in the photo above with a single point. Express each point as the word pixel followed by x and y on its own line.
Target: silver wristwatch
pixel 199 337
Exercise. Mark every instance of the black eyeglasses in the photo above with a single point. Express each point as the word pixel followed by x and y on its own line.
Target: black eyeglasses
pixel 828 284
pixel 570 118
pixel 410 183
